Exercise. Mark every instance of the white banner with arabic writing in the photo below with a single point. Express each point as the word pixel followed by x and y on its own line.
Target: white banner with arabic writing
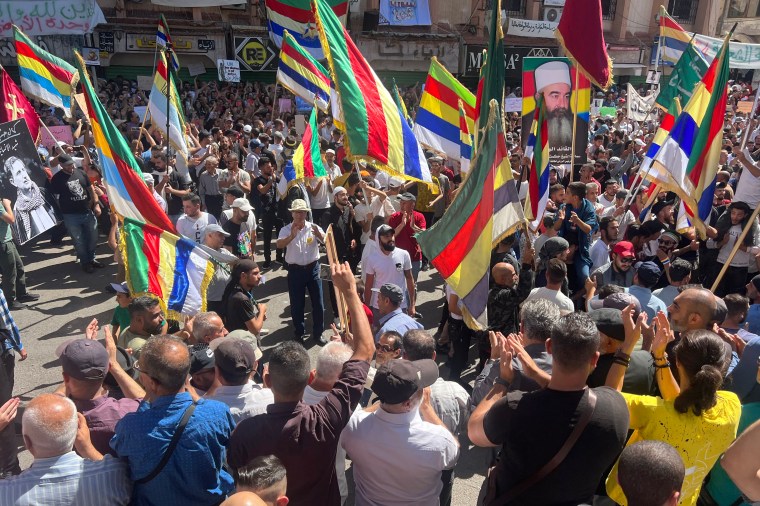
pixel 50 17
pixel 638 106
pixel 530 28
pixel 742 55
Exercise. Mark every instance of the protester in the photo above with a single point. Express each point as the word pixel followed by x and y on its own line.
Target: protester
pixel 388 264
pixel 10 345
pixel 193 223
pixel 651 472
pixel 11 265
pixel 242 311
pixel 146 319
pixel 266 478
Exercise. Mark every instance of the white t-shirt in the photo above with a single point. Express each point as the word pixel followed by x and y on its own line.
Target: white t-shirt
pixel 388 269
pixel 194 228
pixel 600 254
pixel 377 207
pixel 321 199
pixel 602 199
pixel 560 299
pixel 449 292
pixel 741 259
pixel 748 189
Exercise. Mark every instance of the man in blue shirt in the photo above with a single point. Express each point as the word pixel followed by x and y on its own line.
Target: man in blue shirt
pixel 577 223
pixel 193 473
pixel 646 276
pixel 389 298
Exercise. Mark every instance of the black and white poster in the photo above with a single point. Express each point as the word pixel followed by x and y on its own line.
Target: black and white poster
pixel 22 182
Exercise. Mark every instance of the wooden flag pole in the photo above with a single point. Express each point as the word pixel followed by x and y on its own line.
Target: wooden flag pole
pixel 737 245
pixel 575 128
pixel 332 258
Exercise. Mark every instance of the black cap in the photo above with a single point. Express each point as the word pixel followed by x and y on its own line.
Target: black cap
pixel 201 357
pixel 235 356
pixel 65 159
pixel 393 292
pixel 397 380
pixel 609 322
pixel 235 191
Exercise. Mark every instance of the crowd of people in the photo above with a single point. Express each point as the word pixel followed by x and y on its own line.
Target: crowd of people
pixel 610 371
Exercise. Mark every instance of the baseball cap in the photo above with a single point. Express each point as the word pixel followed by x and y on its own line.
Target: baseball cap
pixel 624 249
pixel 395 182
pixel 639 142
pixel 255 143
pixel 235 357
pixel 397 380
pixel 83 359
pixel 213 227
pixel 756 282
pixel 65 159
pixel 120 287
pixel 241 204
pixel 247 129
pixel 391 291
pixel 242 335
pixel 235 192
pixel 622 300
pixel 649 273
pixel 330 151
pixel 201 357
pixel 609 321
pixel 407 196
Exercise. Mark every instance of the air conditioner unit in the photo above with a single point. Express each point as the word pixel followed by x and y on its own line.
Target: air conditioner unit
pixel 552 14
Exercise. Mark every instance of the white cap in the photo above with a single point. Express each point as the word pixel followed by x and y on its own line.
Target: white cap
pixel 395 182
pixel 241 204
pixel 330 151
pixel 551 73
pixel 337 190
pixel 247 129
pixel 148 178
pixel 213 227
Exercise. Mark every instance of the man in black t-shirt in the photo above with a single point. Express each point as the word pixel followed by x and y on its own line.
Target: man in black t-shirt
pixel 239 239
pixel 266 186
pixel 79 207
pixel 532 427
pixel 242 311
pixel 177 186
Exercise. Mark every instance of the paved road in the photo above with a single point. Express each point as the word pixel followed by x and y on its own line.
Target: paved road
pixel 70 298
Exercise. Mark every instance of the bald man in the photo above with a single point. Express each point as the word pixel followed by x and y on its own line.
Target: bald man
pixel 694 308
pixel 50 426
pixel 509 291
pixel 193 473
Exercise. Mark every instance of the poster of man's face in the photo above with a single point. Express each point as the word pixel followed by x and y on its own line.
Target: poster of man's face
pixel 552 79
pixel 22 183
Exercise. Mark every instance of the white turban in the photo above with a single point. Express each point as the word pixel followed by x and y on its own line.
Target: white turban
pixel 551 73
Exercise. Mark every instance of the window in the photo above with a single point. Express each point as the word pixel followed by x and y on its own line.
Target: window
pixel 514 7
pixel 684 11
pixel 608 9
pixel 737 8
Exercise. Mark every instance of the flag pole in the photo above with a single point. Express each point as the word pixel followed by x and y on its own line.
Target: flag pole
pixel 168 97
pixel 575 128
pixel 737 245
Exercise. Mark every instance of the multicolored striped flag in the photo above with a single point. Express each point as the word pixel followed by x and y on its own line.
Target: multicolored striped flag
pixel 436 123
pixel 127 192
pixel 174 269
pixel 297 17
pixel 376 131
pixel 14 105
pixel 301 74
pixel 164 40
pixel 307 159
pixel 163 100
pixel 537 151
pixel 485 210
pixel 673 38
pixel 688 160
pixel 465 141
pixel 44 76
pixel 581 34
pixel 666 125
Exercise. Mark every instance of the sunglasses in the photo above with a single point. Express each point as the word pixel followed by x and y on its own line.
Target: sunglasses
pixel 626 260
pixel 384 348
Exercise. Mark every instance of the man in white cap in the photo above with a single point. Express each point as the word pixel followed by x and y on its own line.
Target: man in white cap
pixel 151 184
pixel 301 239
pixel 553 82
pixel 242 238
pixel 214 239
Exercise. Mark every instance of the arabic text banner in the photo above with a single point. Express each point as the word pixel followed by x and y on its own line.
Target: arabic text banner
pixel 58 17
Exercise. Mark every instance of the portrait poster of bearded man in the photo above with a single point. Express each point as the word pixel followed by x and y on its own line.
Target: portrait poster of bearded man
pixel 554 78
pixel 22 182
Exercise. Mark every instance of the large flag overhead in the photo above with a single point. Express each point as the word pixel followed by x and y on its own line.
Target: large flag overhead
pixel 301 74
pixel 164 40
pixel 688 160
pixel 174 269
pixel 44 76
pixel 162 102
pixel 581 34
pixel 685 76
pixel 14 105
pixel 491 84
pixel 666 125
pixel 673 38
pixel 486 209
pixel 127 192
pixel 537 151
pixel 307 159
pixel 377 131
pixel 297 17
pixel 436 123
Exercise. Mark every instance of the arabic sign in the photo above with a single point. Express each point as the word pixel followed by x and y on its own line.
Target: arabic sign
pixel 255 54
pixel 530 28
pixel 638 106
pixel 513 56
pixel 49 17
pixel 106 44
pixel 405 12
pixel 182 44
pixel 742 55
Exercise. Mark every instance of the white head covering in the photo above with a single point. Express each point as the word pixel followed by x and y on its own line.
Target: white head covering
pixel 551 73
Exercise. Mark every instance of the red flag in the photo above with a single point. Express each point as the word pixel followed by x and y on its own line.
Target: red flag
pixel 581 34
pixel 14 105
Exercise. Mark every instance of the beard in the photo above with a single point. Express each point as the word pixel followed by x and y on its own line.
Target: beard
pixel 388 246
pixel 560 127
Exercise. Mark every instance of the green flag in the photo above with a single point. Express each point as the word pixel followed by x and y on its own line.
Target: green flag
pixel 492 71
pixel 687 73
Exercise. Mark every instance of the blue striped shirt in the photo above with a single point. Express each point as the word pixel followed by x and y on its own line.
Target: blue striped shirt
pixel 7 323
pixel 68 480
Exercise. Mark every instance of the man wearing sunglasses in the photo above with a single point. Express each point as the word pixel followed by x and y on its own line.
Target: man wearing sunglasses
pixel 618 271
